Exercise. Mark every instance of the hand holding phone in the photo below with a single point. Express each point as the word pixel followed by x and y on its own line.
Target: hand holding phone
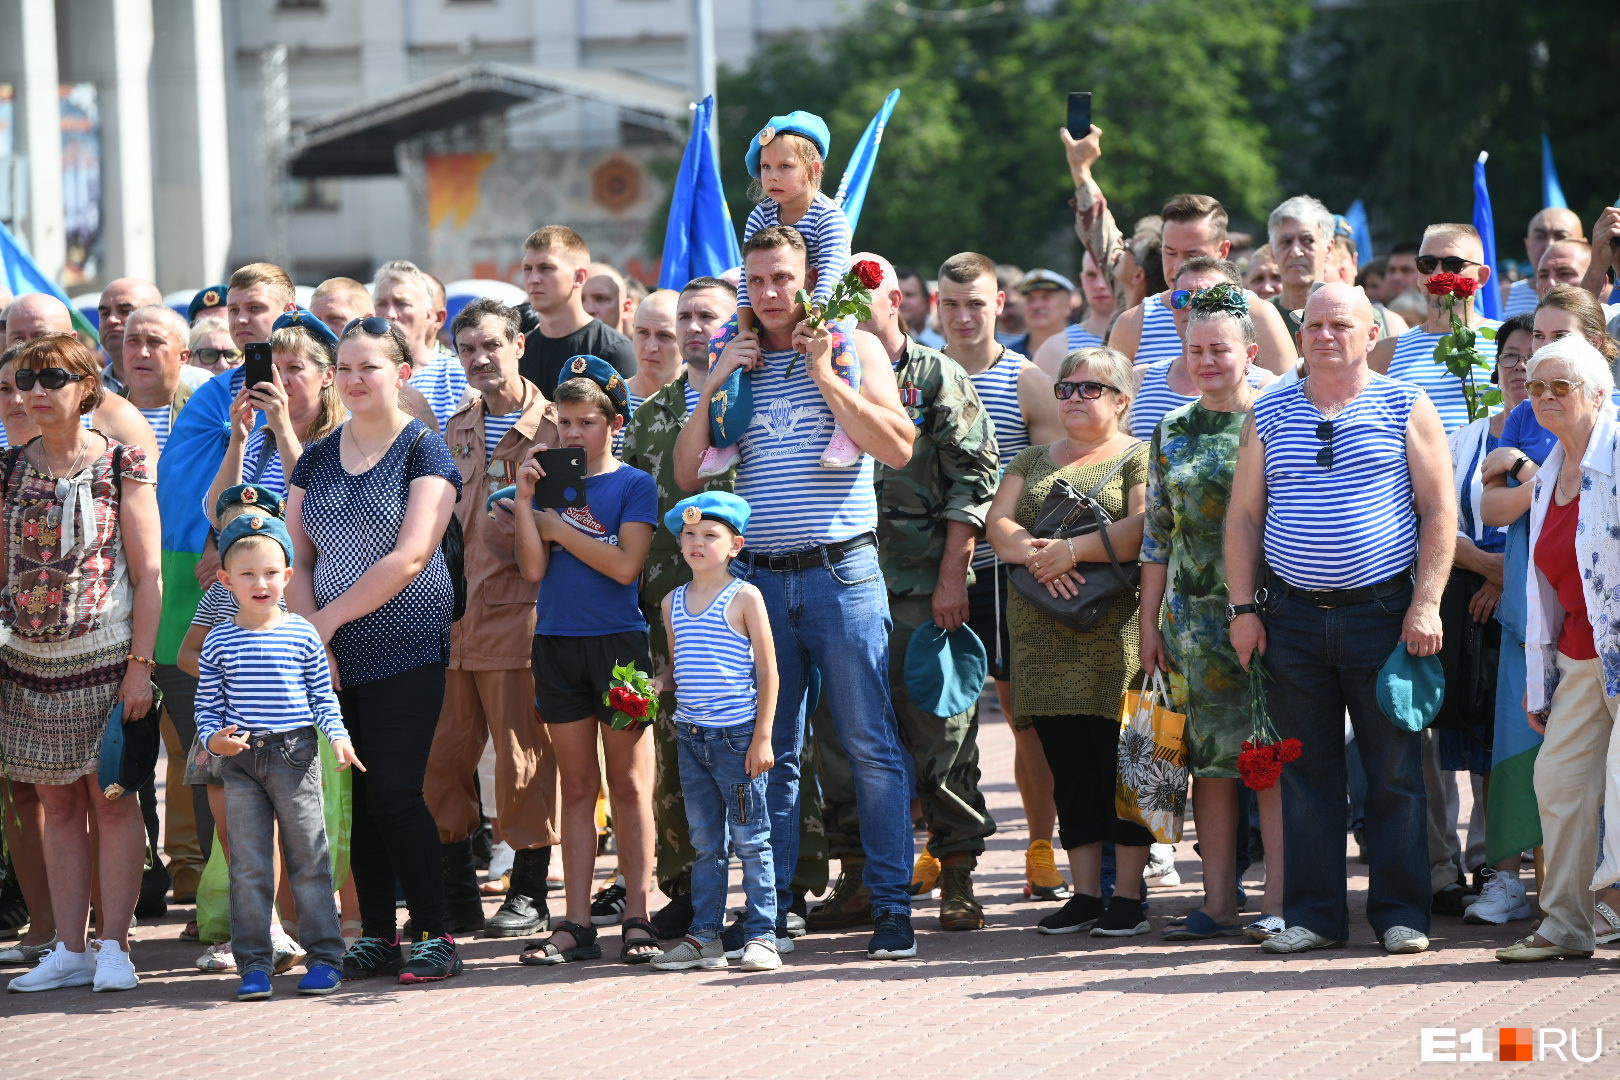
pixel 1079 123
pixel 256 366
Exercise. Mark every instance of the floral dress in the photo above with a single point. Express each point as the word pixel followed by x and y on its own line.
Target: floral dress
pixel 1191 460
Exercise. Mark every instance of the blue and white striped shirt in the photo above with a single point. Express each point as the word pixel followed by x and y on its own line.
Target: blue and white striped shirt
pixel 275 679
pixel 443 381
pixel 495 429
pixel 1521 299
pixel 1351 524
pixel 1414 363
pixel 998 389
pixel 826 233
pixel 162 421
pixel 714 664
pixel 272 475
pixel 796 503
pixel 1155 399
pixel 1076 336
pixel 1158 340
pixel 218 604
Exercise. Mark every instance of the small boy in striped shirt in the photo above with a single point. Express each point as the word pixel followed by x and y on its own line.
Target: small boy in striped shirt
pixel 264 688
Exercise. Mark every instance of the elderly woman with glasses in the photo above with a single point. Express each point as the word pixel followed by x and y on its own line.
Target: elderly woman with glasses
pixel 1071 681
pixel 1572 641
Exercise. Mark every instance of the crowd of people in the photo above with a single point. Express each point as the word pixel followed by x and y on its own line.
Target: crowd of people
pixel 690 574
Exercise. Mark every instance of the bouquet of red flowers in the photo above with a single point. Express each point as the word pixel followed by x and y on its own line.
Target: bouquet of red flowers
pixel 632 696
pixel 1264 754
pixel 1456 351
pixel 851 296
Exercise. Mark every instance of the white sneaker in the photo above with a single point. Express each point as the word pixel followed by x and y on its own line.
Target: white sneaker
pixel 286 952
pixel 1298 939
pixel 718 460
pixel 1404 939
pixel 760 955
pixel 114 969
pixel 59 968
pixel 217 959
pixel 1502 899
pixel 1161 867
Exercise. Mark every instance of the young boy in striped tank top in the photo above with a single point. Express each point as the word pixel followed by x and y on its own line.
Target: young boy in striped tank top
pixel 725 687
pixel 264 688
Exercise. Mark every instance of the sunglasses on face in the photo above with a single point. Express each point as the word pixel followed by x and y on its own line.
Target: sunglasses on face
pixel 1182 297
pixel 51 378
pixel 1535 387
pixel 1452 264
pixel 1324 456
pixel 209 357
pixel 371 324
pixel 1087 389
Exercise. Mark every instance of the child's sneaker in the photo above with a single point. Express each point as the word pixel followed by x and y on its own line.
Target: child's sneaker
pixel 114 969
pixel 286 953
pixel 59 969
pixel 761 955
pixel 217 959
pixel 255 986
pixel 719 460
pixel 691 953
pixel 841 452
pixel 431 959
pixel 607 906
pixel 370 956
pixel 320 979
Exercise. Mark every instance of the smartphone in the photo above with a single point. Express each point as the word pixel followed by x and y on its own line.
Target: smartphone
pixel 1079 124
pixel 256 364
pixel 563 486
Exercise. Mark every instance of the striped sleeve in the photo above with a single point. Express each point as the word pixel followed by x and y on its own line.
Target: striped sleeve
pixel 826 231
pixel 209 709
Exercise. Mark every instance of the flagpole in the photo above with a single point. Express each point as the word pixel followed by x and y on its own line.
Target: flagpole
pixel 703 63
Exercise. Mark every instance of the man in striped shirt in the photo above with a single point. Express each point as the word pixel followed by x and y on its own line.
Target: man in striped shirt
pixel 1343 483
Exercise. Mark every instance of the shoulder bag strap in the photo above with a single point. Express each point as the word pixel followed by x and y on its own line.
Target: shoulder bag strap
pixel 1102 529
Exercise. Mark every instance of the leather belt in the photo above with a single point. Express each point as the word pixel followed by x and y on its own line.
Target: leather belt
pixel 1335 598
pixel 810 557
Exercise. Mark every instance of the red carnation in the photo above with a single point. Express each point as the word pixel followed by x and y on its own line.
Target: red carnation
pixel 870 273
pixel 1444 285
pixel 1464 286
pixel 1289 749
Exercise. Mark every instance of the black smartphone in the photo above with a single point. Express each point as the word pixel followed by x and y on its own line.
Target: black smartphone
pixel 256 366
pixel 1079 124
pixel 563 486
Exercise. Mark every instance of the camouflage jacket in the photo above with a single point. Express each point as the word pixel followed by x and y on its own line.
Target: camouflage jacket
pixel 952 474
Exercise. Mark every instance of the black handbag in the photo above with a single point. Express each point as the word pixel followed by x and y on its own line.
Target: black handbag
pixel 1065 513
pixel 129 749
pixel 453 545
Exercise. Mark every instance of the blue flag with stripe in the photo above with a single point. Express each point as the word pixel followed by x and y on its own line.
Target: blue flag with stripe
pixel 23 276
pixel 699 240
pixel 1360 231
pixel 1552 192
pixel 1488 301
pixel 858 173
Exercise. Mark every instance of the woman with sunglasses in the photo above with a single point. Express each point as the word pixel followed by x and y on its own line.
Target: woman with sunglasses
pixel 1190 465
pixel 79 600
pixel 1070 681
pixel 212 347
pixel 367 511
pixel 1572 642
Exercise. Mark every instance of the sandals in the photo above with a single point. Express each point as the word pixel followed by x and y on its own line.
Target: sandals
pixel 1199 926
pixel 648 944
pixel 1612 920
pixel 547 953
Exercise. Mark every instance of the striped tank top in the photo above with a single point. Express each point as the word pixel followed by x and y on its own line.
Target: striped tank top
pixel 796 503
pixel 1159 340
pixel 1076 336
pixel 714 665
pixel 1155 399
pixel 1349 524
pixel 1414 363
pixel 998 389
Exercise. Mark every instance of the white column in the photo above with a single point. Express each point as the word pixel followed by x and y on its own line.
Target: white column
pixel 190 126
pixel 28 56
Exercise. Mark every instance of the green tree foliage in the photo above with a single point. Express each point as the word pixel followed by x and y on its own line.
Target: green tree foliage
pixel 972 159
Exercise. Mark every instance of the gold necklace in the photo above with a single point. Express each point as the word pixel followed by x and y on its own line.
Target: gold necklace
pixel 369 459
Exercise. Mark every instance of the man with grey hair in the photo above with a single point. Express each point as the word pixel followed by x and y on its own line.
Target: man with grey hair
pixel 404 295
pixel 1301 231
pixel 155 352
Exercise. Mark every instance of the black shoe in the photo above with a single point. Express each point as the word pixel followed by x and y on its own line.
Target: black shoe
pixel 524 910
pixel 1452 900
pixel 1124 918
pixel 370 956
pixel 1079 912
pixel 483 846
pixel 674 919
pixel 464 907
pixel 432 959
pixel 607 906
pixel 152 902
pixel 892 937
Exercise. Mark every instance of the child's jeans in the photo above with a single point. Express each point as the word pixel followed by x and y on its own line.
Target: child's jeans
pixel 721 799
pixel 277 780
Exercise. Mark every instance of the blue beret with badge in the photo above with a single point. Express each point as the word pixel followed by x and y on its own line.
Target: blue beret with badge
pixel 256 525
pixel 945 669
pixel 797 122
pixel 211 297
pixel 305 320
pixel 601 373
pixel 265 500
pixel 729 510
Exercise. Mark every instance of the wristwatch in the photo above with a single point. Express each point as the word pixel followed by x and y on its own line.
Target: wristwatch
pixel 1234 610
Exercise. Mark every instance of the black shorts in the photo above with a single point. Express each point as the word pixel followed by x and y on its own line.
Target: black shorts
pixel 571 674
pixel 989 620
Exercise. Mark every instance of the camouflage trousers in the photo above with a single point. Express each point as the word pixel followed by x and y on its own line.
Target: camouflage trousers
pixel 943 751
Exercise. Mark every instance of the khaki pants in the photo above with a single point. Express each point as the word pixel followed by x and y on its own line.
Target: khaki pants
pixel 498 705
pixel 1570 776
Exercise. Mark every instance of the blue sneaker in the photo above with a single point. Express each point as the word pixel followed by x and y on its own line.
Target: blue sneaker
pixel 320 979
pixel 255 986
pixel 893 938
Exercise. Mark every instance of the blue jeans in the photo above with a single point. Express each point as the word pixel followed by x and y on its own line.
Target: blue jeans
pixel 721 800
pixel 1320 662
pixel 836 617
pixel 277 780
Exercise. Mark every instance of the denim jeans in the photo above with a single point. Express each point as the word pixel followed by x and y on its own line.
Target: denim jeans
pixel 277 781
pixel 722 801
pixel 1320 662
pixel 836 617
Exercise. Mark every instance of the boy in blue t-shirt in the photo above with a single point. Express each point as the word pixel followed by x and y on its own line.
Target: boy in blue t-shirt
pixel 588 560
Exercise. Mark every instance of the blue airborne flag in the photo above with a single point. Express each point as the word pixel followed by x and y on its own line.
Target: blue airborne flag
pixel 1552 192
pixel 699 240
pixel 858 173
pixel 22 276
pixel 1360 232
pixel 1488 301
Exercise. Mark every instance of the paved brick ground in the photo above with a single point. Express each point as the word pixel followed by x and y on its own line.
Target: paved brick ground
pixel 1004 1002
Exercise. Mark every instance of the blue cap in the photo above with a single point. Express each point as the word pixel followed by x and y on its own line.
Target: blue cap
pixel 945 669
pixel 306 321
pixel 1411 688
pixel 601 373
pixel 256 525
pixel 211 297
pixel 265 499
pixel 722 506
pixel 797 122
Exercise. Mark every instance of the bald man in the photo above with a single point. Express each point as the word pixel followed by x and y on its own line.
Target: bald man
pixel 1550 225
pixel 658 346
pixel 1565 263
pixel 1343 485
pixel 606 298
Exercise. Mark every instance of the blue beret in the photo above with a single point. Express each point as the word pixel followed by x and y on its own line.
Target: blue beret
pixel 306 321
pixel 1411 688
pixel 601 373
pixel 945 670
pixel 797 122
pixel 256 525
pixel 722 506
pixel 211 297
pixel 269 500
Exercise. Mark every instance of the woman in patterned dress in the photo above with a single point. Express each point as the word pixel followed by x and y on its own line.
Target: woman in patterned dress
pixel 1190 464
pixel 79 600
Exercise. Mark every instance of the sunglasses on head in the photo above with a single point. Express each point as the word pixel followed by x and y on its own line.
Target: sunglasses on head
pixel 1452 264
pixel 1535 387
pixel 1182 297
pixel 371 324
pixel 208 356
pixel 1086 388
pixel 51 378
